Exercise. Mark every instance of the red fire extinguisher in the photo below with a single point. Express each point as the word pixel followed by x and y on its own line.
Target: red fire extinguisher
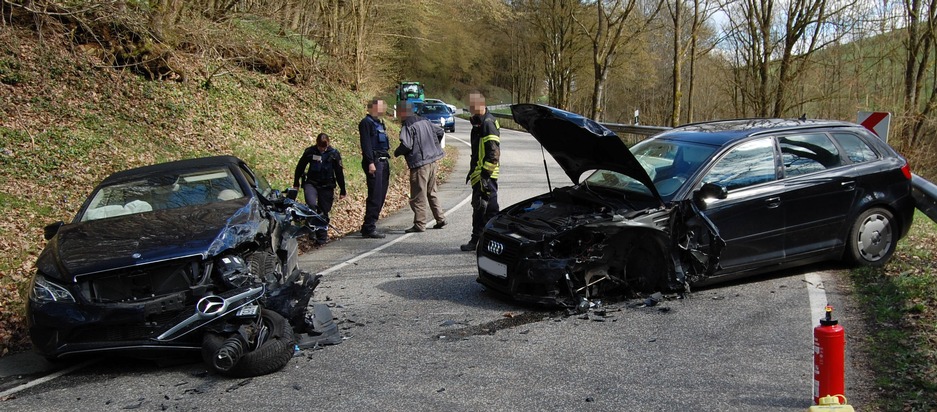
pixel 829 358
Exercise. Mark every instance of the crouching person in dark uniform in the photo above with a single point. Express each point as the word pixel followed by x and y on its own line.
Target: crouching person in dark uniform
pixel 325 170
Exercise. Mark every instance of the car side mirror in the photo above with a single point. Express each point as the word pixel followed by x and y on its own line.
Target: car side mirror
pixel 50 230
pixel 709 191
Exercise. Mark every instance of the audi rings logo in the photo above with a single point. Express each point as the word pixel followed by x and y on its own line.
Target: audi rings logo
pixel 495 247
pixel 211 305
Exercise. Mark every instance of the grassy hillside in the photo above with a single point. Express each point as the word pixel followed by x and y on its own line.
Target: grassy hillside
pixel 69 119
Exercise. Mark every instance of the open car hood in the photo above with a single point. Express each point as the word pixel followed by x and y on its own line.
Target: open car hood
pixel 579 144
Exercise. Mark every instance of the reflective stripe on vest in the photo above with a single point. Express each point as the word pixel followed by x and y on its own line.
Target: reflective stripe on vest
pixel 492 168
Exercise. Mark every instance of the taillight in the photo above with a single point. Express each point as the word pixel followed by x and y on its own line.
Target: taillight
pixel 906 169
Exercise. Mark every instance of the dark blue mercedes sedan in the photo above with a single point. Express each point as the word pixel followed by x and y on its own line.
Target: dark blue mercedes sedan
pixel 175 257
pixel 697 204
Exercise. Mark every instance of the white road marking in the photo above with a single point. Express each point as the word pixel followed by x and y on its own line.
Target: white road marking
pixel 816 293
pixel 388 244
pixel 44 379
pixel 397 240
pixel 463 141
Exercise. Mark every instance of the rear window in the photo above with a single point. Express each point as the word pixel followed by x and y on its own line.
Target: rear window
pixel 855 149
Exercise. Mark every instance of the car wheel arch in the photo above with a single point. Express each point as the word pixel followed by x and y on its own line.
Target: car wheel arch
pixel 643 255
pixel 853 253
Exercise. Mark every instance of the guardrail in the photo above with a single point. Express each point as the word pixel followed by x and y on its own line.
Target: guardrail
pixel 631 133
pixel 925 196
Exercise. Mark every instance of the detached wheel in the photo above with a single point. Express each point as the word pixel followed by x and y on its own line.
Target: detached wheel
pixel 872 239
pixel 272 351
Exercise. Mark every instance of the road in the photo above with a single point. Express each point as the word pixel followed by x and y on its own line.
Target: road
pixel 421 334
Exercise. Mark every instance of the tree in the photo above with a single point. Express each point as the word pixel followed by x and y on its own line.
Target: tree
pixel 521 60
pixel 554 21
pixel 774 44
pixel 921 33
pixel 702 11
pixel 605 37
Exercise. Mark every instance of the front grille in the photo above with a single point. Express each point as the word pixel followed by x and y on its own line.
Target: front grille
pixel 510 249
pixel 114 334
pixel 141 282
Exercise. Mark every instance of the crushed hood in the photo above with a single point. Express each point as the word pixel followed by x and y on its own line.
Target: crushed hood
pixel 579 144
pixel 107 244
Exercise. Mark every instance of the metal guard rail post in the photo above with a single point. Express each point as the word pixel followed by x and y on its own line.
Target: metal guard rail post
pixel 925 196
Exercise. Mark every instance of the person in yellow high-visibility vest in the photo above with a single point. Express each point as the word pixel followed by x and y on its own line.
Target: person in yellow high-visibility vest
pixel 484 166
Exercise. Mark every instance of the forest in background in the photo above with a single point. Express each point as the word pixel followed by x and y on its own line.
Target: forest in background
pixel 674 61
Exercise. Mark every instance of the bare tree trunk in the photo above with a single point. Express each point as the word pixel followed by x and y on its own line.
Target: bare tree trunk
pixel 554 21
pixel 676 95
pixel 699 16
pixel 361 41
pixel 921 17
pixel 605 37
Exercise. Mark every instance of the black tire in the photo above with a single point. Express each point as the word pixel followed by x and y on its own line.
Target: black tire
pixel 873 238
pixel 270 356
pixel 265 266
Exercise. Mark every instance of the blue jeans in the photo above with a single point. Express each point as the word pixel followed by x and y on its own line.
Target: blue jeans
pixel 320 198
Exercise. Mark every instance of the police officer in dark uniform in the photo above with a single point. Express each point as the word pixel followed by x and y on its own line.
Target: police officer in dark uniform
pixel 374 156
pixel 325 170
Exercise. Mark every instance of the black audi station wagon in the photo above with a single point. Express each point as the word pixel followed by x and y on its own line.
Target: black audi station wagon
pixel 700 203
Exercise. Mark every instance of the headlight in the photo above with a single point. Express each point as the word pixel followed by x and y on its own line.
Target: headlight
pixel 234 271
pixel 44 291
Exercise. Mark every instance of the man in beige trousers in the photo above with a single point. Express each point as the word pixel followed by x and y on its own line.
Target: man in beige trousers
pixel 420 144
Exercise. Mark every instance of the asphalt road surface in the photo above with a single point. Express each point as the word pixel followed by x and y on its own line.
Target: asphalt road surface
pixel 421 334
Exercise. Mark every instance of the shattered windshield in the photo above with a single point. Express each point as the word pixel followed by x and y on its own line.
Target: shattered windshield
pixel 670 163
pixel 166 191
pixel 613 180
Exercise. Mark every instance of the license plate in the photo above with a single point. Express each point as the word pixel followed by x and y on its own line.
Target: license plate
pixel 496 269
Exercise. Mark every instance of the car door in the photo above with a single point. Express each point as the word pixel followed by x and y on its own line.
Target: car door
pixel 749 219
pixel 818 193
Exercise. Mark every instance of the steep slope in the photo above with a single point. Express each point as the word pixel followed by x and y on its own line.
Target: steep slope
pixel 69 117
